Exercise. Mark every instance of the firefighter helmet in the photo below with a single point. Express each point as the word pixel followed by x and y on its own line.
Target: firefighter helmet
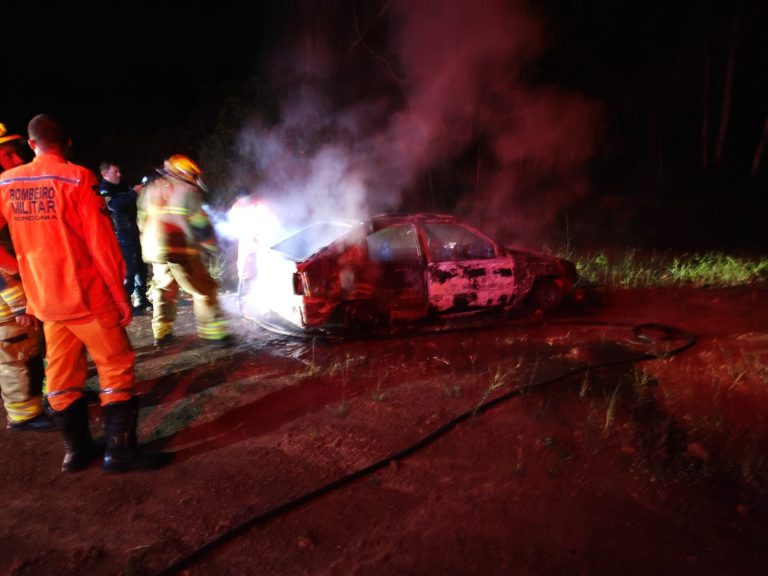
pixel 5 137
pixel 183 168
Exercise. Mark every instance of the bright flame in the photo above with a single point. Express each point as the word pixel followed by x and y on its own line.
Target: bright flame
pixel 270 289
pixel 251 227
pixel 255 226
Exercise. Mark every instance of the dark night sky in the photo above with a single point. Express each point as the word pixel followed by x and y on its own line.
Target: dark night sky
pixel 139 69
pixel 151 79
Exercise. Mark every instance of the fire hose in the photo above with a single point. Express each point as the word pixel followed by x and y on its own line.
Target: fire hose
pixel 646 332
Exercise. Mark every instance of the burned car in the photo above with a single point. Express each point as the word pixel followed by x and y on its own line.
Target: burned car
pixel 392 269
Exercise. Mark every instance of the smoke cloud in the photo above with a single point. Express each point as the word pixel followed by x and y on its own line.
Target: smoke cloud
pixel 507 153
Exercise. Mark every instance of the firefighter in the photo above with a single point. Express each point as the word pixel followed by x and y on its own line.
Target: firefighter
pixel 73 273
pixel 175 232
pixel 21 341
pixel 9 152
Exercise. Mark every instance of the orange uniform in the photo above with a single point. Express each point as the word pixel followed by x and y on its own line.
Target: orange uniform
pixel 73 278
pixel 67 273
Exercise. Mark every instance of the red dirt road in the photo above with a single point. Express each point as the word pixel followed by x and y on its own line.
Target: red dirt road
pixel 610 457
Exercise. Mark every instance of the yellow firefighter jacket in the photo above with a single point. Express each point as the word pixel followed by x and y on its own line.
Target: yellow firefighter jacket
pixel 174 226
pixel 13 301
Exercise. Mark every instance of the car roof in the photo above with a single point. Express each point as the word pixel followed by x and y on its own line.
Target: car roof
pixel 396 218
pixel 298 248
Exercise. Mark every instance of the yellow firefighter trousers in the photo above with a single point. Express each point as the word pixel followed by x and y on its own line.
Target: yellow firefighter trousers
pixel 193 277
pixel 108 345
pixel 21 371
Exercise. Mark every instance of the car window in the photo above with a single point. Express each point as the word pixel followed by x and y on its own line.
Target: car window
pixel 394 243
pixel 448 242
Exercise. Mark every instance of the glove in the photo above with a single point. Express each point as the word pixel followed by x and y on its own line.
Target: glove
pixel 126 312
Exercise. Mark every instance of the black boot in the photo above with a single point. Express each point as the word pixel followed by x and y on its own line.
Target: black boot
pixel 40 423
pixel 122 453
pixel 120 431
pixel 73 423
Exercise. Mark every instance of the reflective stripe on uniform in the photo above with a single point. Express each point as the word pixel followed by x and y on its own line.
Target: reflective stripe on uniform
pixel 175 210
pixel 161 328
pixel 199 220
pixel 114 390
pixel 23 411
pixel 109 395
pixel 188 250
pixel 12 300
pixel 14 293
pixel 55 177
pixel 64 391
pixel 215 330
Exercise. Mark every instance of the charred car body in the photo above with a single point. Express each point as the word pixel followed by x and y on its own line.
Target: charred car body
pixel 396 268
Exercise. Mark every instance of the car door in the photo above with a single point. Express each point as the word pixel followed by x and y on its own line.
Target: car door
pixel 465 271
pixel 396 256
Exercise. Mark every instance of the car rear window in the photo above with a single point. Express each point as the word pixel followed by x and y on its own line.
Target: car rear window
pixel 311 239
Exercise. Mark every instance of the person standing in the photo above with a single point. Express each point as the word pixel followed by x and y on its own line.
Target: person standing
pixel 21 341
pixel 121 201
pixel 175 230
pixel 73 272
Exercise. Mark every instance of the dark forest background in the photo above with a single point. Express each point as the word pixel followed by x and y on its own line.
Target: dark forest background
pixel 680 147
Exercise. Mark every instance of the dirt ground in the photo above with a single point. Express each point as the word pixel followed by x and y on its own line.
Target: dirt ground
pixel 614 449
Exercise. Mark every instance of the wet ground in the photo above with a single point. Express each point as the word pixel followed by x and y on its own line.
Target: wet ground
pixel 626 435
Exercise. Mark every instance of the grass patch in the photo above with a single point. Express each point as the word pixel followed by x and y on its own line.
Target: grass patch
pixel 634 269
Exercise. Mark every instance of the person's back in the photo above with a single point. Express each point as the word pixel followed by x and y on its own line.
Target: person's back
pixel 47 202
pixel 168 235
pixel 174 230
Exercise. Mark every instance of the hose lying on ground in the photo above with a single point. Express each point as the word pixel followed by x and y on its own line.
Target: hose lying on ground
pixel 648 332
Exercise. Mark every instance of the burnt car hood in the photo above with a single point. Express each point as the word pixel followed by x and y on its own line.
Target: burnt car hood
pixel 543 263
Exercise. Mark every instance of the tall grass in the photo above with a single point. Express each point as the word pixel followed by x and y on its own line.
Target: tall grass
pixel 633 269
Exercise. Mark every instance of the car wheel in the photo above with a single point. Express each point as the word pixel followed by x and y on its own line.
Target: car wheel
pixel 363 314
pixel 546 295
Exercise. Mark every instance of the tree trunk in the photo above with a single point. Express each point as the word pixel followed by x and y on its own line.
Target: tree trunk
pixel 725 112
pixel 760 149
pixel 705 105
